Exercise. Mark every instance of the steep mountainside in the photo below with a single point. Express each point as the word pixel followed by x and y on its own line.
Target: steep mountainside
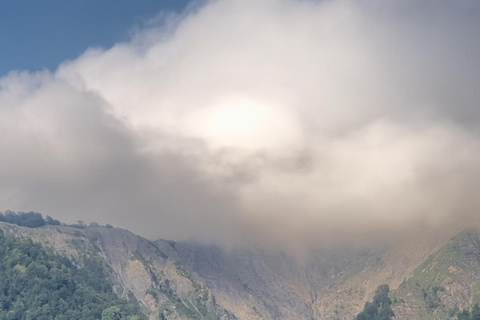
pixel 447 280
pixel 331 284
pixel 37 284
pixel 430 278
pixel 136 267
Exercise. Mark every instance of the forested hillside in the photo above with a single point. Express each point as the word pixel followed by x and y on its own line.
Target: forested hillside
pixel 38 284
pixel 80 271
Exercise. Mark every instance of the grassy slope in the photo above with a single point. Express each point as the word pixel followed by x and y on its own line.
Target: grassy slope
pixel 447 280
pixel 390 265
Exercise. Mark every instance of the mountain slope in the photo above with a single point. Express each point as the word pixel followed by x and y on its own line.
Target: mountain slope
pixel 447 280
pixel 136 268
pixel 332 284
pixel 37 284
pixel 430 277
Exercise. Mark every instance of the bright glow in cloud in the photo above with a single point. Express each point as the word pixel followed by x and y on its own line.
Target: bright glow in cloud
pixel 243 124
pixel 279 121
pixel 237 124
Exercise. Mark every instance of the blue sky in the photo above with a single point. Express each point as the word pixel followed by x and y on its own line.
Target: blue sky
pixel 38 34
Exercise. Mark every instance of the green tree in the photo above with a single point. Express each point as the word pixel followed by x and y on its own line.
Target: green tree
pixel 475 315
pixel 464 315
pixel 380 308
pixel 112 313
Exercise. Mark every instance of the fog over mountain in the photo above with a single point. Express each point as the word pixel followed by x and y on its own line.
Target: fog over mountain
pixel 280 122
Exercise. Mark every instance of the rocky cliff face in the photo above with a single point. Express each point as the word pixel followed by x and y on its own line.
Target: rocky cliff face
pixel 431 277
pixel 330 284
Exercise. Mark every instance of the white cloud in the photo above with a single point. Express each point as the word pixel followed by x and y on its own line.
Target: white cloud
pixel 280 121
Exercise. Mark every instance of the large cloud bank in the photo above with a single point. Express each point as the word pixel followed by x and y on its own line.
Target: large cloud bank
pixel 276 121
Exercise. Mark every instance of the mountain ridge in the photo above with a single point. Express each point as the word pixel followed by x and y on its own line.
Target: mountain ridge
pixel 187 280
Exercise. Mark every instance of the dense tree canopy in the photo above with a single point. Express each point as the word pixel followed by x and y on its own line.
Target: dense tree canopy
pixel 34 219
pixel 36 284
pixel 24 219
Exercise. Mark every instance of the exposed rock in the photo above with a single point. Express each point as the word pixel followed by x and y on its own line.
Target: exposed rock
pixel 430 277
